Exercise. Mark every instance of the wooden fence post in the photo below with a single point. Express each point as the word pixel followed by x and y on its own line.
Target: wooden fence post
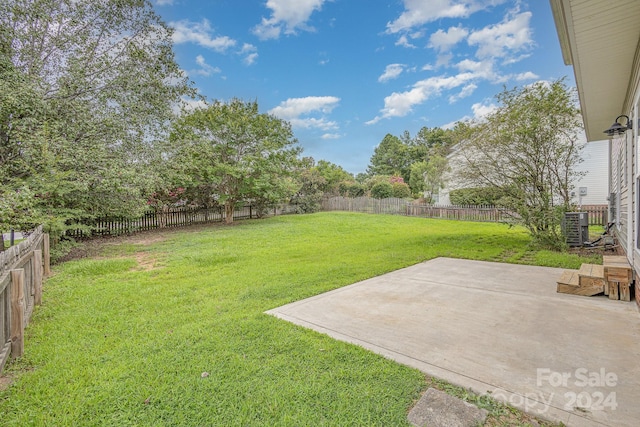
pixel 37 277
pixel 17 313
pixel 46 252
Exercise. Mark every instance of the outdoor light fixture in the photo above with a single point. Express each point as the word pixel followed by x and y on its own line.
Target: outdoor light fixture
pixel 618 129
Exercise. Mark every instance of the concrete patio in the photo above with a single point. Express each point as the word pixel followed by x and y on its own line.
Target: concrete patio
pixel 495 328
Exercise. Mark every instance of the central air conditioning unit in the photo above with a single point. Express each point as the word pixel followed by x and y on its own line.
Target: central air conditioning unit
pixel 575 227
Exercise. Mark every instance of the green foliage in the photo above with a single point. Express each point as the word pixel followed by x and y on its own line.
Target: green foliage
pixel 416 179
pixel 352 189
pixel 528 148
pixel 333 175
pixel 401 190
pixel 427 177
pixel 373 180
pixel 390 157
pixel 477 196
pixel 431 141
pixel 83 106
pixel 308 199
pixel 397 155
pixel 228 153
pixel 382 190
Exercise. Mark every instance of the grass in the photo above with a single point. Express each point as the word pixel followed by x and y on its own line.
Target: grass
pixel 168 329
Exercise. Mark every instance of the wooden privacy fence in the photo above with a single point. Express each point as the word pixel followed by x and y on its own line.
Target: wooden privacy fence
pixel 395 206
pixel 172 217
pixel 22 269
pixel 598 214
pixel 403 207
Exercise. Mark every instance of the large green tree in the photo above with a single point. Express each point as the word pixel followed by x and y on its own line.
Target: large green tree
pixel 334 175
pixel 528 149
pixel 19 104
pixel 390 157
pixel 103 77
pixel 230 153
pixel 396 155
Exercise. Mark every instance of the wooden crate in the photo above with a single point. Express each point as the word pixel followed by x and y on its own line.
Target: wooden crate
pixel 619 276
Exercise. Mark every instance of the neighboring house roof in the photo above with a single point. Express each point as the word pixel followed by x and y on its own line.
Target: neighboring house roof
pixel 600 39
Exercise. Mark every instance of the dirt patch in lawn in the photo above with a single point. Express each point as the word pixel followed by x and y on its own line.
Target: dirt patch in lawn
pixel 5 382
pixel 94 247
pixel 598 250
pixel 146 262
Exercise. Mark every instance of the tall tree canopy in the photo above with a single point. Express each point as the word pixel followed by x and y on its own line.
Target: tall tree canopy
pixel 230 153
pixel 98 84
pixel 334 175
pixel 528 149
pixel 399 155
pixel 390 157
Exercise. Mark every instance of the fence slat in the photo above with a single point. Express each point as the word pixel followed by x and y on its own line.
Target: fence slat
pixel 597 213
pixel 17 313
pixel 171 217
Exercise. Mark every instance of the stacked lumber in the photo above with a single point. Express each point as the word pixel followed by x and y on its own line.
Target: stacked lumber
pixel 587 281
pixel 614 278
pixel 619 276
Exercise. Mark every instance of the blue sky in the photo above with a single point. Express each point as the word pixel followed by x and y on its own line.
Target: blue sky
pixel 347 72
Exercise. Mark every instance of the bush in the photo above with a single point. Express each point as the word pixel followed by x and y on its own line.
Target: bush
pixel 309 203
pixel 352 189
pixel 382 190
pixel 476 196
pixel 401 190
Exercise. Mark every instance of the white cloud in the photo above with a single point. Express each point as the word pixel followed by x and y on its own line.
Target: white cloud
pixel 186 31
pixel 331 136
pixel 164 2
pixel 483 69
pixel 443 41
pixel 401 104
pixel 205 69
pixel 499 40
pixel 465 92
pixel 444 59
pixel 293 109
pixel 526 76
pixel 419 12
pixel 250 59
pixel 480 111
pixel 392 71
pixel 311 122
pixel 287 15
pixel 250 52
pixel 404 42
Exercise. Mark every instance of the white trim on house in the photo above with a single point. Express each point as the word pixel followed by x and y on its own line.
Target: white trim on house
pixel 600 40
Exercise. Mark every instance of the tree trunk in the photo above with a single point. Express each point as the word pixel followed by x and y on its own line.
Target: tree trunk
pixel 228 212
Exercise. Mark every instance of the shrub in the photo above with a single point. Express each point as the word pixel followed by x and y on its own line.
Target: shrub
pixel 476 196
pixel 352 189
pixel 382 190
pixel 401 190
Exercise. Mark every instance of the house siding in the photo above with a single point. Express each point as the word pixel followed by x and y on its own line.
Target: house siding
pixel 595 166
pixel 619 189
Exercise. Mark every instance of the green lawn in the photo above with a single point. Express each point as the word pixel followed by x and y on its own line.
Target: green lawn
pixel 169 330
